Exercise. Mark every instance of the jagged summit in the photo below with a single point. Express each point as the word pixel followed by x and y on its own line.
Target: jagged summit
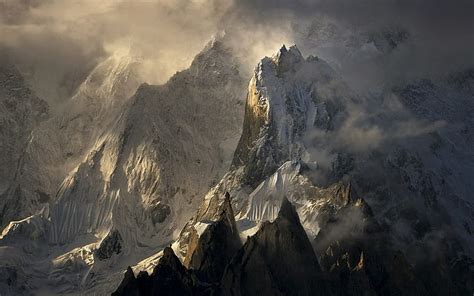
pixel 216 246
pixel 277 260
pixel 169 277
pixel 287 60
pixel 288 211
pixel 123 169
pixel 281 109
pixel 133 170
pixel 159 153
pixel 227 212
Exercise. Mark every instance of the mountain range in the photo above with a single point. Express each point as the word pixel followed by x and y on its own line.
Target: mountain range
pixel 287 183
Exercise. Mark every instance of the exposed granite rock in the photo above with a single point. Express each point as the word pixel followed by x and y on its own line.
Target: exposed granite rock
pixel 129 285
pixel 169 277
pixel 277 260
pixel 216 246
pixel 159 213
pixel 112 244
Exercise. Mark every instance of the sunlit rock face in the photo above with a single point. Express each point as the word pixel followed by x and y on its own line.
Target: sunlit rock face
pixel 297 142
pixel 124 166
pixel 144 174
pixel 375 190
pixel 216 246
pixel 287 97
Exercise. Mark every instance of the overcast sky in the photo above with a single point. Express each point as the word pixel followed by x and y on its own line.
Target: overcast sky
pixel 61 36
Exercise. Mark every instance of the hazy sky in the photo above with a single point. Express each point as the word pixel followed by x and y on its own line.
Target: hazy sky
pixel 60 37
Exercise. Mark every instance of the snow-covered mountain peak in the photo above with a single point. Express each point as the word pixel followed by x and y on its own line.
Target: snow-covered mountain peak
pixel 216 62
pixel 288 96
pixel 287 59
pixel 116 77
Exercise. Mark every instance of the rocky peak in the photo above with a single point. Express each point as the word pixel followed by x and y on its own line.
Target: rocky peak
pixel 288 96
pixel 216 246
pixel 262 266
pixel 286 60
pixel 288 212
pixel 215 61
pixel 227 213
pixel 169 259
pixel 169 277
pixel 128 284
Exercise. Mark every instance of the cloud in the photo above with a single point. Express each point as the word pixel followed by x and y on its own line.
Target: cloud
pixel 55 40
pixel 370 125
pixel 169 33
pixel 439 35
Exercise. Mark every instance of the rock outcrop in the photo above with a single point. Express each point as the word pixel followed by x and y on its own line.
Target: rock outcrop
pixel 216 246
pixel 169 277
pixel 110 245
pixel 277 260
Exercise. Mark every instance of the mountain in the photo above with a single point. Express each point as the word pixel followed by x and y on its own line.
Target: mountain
pixel 287 96
pixel 169 277
pixel 20 112
pixel 259 267
pixel 213 252
pixel 309 138
pixel 277 260
pixel 160 153
pixel 365 194
pixel 216 246
pixel 59 143
pixel 125 165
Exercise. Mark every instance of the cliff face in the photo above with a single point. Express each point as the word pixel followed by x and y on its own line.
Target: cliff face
pixel 20 112
pixel 287 97
pixel 216 246
pixel 297 142
pixel 332 193
pixel 121 169
pixel 277 260
pixel 164 150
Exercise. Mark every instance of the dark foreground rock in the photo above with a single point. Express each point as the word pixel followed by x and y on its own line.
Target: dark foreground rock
pixel 277 260
pixel 169 277
pixel 280 260
pixel 216 246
